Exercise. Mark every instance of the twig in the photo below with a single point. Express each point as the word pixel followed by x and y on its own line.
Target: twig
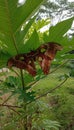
pixel 7 99
pixel 14 110
pixel 6 105
pixel 50 91
pixel 11 107
pixel 22 79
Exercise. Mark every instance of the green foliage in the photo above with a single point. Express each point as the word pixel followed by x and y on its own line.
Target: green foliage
pixel 15 14
pixel 62 107
pixel 39 118
pixel 4 56
pixel 31 44
pixel 46 124
pixel 37 25
pixel 16 22
pixel 22 33
pixel 12 18
pixel 13 84
pixel 72 73
pixel 57 34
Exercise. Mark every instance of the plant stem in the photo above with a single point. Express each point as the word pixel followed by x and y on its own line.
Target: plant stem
pixel 24 101
pixel 22 79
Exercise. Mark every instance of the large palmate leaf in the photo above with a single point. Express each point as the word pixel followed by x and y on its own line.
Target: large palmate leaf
pixel 12 17
pixel 13 47
pixel 56 32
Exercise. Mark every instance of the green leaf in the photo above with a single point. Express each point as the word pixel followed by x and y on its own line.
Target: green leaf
pixel 38 24
pixel 27 96
pixel 56 32
pixel 72 73
pixel 20 35
pixel 28 78
pixel 12 17
pixel 4 56
pixel 68 45
pixel 32 44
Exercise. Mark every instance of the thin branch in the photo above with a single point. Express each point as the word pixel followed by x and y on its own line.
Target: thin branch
pixel 7 99
pixel 50 91
pixel 11 107
pixel 22 79
pixel 14 110
pixel 6 105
